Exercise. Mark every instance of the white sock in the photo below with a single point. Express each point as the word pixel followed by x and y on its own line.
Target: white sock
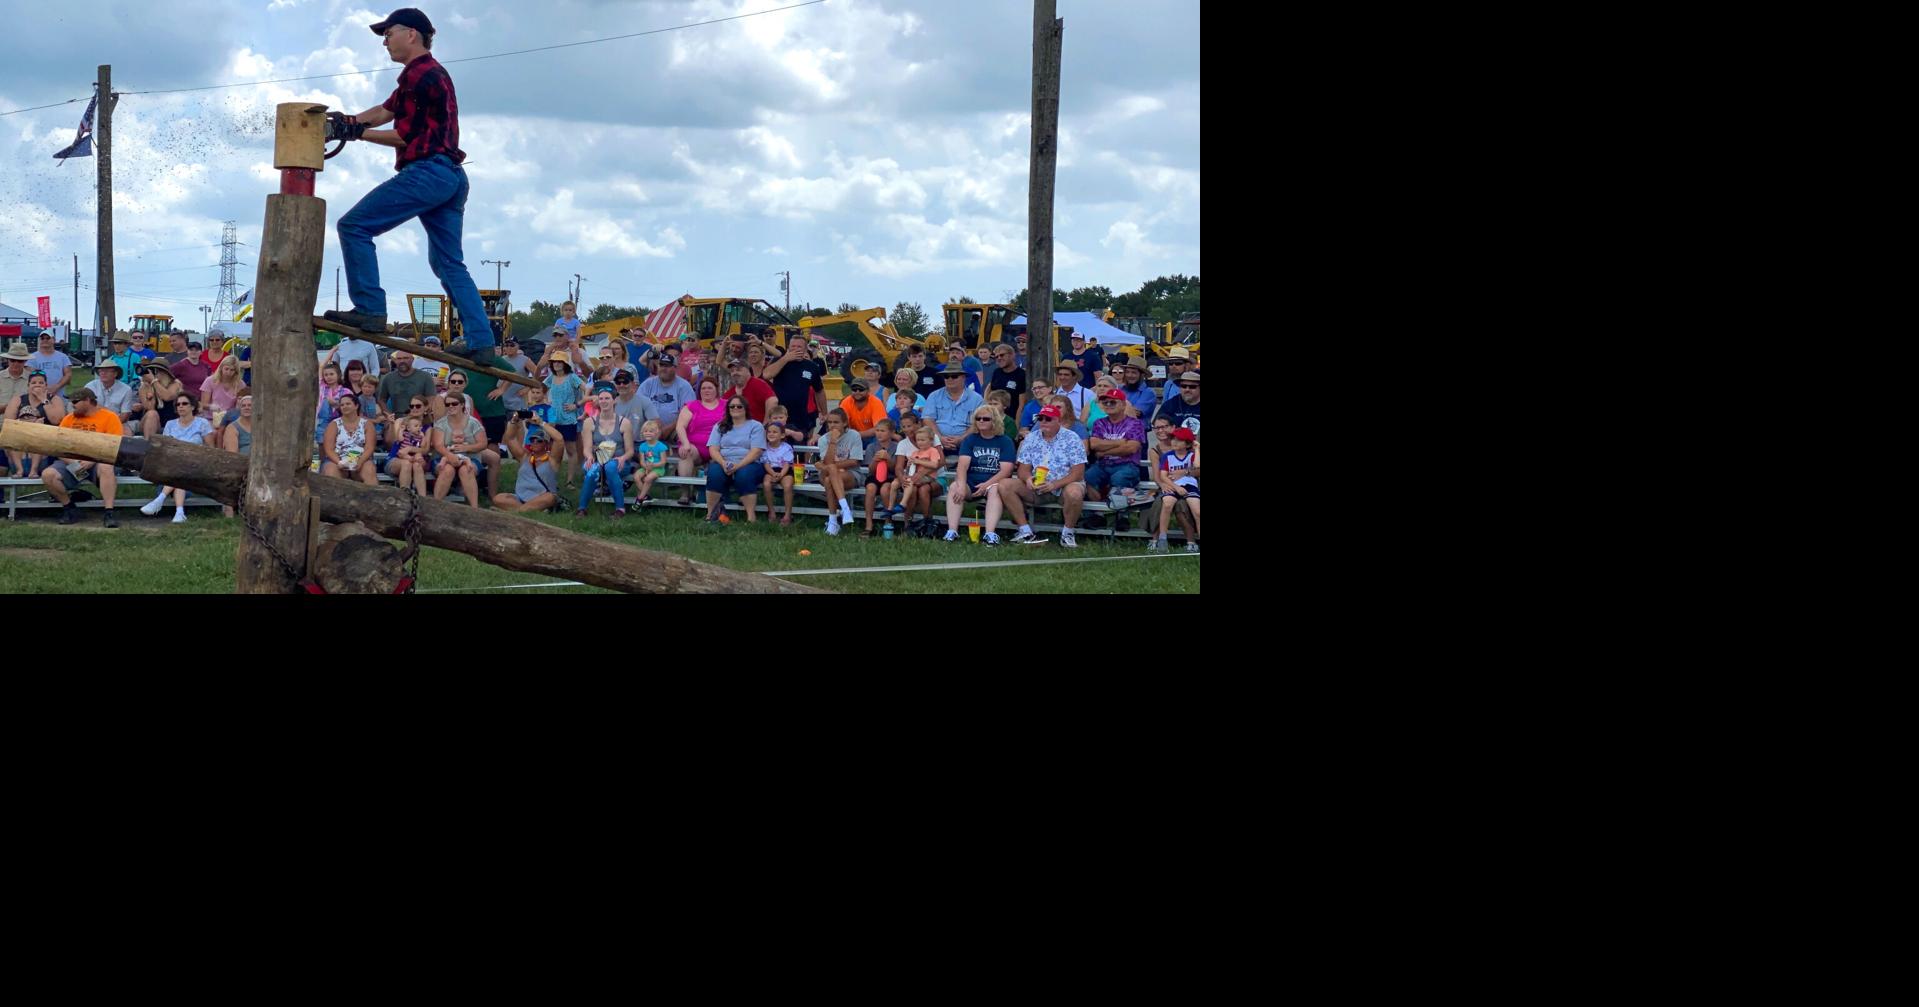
pixel 1025 529
pixel 162 495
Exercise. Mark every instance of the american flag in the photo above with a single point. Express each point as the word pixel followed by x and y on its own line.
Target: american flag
pixel 667 324
pixel 82 145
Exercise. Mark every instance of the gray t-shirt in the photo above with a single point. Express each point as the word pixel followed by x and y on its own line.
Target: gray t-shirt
pixel 664 402
pixel 631 411
pixel 528 485
pixel 849 446
pixel 514 398
pixel 740 441
pixel 352 349
pixel 472 432
pixel 397 390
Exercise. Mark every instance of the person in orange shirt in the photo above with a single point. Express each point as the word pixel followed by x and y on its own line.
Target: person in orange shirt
pixel 864 411
pixel 63 477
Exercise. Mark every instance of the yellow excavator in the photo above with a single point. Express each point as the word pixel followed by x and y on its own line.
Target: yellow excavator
pixel 885 346
pixel 435 315
pixel 1160 338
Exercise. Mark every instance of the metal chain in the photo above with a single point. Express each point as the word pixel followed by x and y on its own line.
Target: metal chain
pixel 410 530
pixel 253 527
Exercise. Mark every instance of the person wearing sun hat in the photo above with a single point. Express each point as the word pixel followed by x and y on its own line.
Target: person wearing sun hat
pixel 113 393
pixel 13 377
pixel 951 408
pixel 1182 402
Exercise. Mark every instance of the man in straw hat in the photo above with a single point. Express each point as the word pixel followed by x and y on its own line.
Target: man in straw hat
pixel 13 379
pixel 113 394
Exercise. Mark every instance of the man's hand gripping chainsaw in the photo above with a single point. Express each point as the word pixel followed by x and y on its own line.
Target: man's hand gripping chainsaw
pixel 342 127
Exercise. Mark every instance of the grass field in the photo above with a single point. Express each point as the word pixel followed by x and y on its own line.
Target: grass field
pixel 148 554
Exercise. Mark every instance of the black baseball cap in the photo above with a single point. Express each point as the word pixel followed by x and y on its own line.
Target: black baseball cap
pixel 405 17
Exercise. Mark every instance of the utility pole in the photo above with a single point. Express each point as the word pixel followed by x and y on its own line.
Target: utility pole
pixel 336 288
pixel 206 318
pixel 1042 350
pixel 74 334
pixel 786 287
pixel 581 281
pixel 497 266
pixel 103 164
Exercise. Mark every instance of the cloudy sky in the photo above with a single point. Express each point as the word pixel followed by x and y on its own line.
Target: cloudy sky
pixel 876 148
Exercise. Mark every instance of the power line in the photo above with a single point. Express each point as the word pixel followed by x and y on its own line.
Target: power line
pixel 464 59
pixel 37 108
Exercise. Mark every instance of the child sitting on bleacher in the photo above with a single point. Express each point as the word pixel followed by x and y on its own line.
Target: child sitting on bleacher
pixel 778 460
pixel 652 454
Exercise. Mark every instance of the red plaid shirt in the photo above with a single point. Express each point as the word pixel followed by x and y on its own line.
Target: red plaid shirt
pixel 425 113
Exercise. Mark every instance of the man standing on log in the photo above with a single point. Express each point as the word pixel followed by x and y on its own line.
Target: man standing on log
pixel 430 185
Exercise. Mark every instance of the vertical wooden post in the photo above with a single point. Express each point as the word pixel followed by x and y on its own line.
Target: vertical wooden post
pixel 103 195
pixel 1042 351
pixel 285 395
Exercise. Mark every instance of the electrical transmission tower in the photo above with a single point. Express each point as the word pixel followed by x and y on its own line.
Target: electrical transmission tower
pixel 229 258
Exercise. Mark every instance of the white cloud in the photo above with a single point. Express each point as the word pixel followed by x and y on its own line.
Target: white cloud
pixel 881 151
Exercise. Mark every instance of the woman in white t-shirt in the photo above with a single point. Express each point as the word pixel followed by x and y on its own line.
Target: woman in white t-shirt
pixel 188 428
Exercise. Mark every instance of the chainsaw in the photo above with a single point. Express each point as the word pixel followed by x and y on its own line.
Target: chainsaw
pixel 341 127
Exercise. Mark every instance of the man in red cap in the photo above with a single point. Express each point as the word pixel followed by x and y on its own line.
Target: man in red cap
pixel 430 185
pixel 1052 462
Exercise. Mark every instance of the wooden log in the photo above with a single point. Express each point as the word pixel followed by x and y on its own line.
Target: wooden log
pixel 504 540
pixel 1042 351
pixel 349 559
pixel 396 343
pixel 299 137
pixel 285 396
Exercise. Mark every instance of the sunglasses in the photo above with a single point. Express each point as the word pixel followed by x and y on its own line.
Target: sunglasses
pixel 457 381
pixel 954 377
pixel 982 419
pixel 455 404
pixel 736 409
pixel 184 402
pixel 416 405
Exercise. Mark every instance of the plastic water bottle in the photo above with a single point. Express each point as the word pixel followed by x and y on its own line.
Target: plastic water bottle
pixel 887 532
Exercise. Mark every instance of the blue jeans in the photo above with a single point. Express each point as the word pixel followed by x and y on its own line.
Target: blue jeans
pixel 1119 477
pixel 612 477
pixel 433 190
pixel 745 480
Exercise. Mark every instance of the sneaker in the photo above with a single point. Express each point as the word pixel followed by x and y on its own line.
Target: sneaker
pixel 832 526
pixel 1026 537
pixel 1120 524
pixel 846 513
pixel 70 515
pixel 897 509
pixel 1192 547
pixel 179 516
pixel 154 507
pixel 1156 545
pixel 618 513
pixel 580 513
pixel 365 323
pixel 110 521
pixel 80 496
pixel 989 539
pixel 952 536
pixel 1066 539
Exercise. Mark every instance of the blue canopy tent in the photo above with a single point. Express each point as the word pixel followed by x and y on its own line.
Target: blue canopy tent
pixel 1089 324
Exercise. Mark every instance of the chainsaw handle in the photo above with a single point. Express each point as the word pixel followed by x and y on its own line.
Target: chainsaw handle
pixel 338 147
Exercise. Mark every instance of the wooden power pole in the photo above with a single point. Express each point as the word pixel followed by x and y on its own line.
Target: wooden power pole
pixel 103 194
pixel 1042 351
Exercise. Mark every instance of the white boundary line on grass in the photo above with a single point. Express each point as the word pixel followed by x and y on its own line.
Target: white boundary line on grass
pixel 851 569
